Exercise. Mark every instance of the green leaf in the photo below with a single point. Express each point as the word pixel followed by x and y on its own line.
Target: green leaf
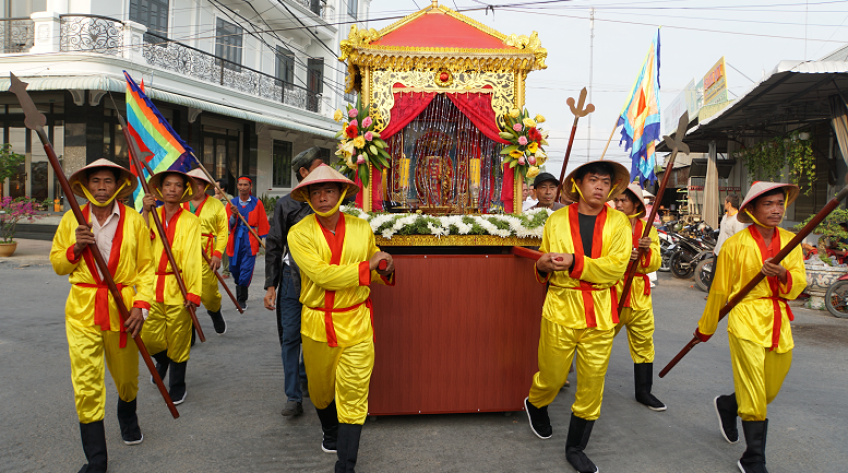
pixel 504 134
pixel 509 149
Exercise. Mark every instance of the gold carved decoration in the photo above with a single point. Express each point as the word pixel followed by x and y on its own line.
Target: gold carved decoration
pixel 531 43
pixel 356 39
pixel 502 88
pixel 443 78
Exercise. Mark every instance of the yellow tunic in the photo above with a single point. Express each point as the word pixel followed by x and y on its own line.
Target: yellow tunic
pixel 213 240
pixel 131 265
pixel 183 232
pixel 340 284
pixel 92 320
pixel 754 318
pixel 591 277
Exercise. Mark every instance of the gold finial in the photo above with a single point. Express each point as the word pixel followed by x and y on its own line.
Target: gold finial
pixel 435 4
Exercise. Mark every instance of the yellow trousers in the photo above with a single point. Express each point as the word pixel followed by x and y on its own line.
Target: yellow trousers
pixel 168 327
pixel 640 333
pixel 210 296
pixel 87 347
pixel 758 375
pixel 340 373
pixel 557 348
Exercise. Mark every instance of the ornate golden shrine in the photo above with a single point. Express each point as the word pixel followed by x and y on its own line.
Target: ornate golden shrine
pixel 439 50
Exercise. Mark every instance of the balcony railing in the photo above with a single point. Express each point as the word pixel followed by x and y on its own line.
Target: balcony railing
pixel 91 33
pixel 17 35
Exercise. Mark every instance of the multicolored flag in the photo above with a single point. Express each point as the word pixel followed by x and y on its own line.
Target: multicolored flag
pixel 641 117
pixel 154 135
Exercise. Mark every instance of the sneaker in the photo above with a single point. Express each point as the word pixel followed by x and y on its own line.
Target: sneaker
pixel 243 305
pixel 650 401
pixel 181 400
pixel 328 446
pixel 540 423
pixel 218 322
pixel 727 418
pixel 134 441
pixel 293 408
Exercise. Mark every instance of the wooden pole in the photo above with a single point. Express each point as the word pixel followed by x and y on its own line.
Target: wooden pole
pixel 136 159
pixel 35 121
pixel 221 280
pixel 578 111
pixel 808 228
pixel 609 139
pixel 675 145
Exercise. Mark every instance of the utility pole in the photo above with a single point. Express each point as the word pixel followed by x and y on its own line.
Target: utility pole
pixel 591 70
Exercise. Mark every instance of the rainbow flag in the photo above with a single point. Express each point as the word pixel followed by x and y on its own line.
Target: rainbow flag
pixel 154 135
pixel 640 117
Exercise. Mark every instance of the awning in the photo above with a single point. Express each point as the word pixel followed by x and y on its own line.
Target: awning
pixel 110 84
pixel 795 93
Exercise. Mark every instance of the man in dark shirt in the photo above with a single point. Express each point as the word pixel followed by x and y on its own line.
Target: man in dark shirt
pixel 282 272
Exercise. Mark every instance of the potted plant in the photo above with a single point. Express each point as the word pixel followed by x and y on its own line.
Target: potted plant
pixel 13 211
pixel 822 271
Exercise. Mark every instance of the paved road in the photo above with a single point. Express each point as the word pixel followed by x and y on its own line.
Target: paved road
pixel 231 422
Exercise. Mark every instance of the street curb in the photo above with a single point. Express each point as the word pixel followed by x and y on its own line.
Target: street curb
pixel 14 263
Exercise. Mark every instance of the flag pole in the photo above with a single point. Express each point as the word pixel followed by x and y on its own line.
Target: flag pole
pixel 609 139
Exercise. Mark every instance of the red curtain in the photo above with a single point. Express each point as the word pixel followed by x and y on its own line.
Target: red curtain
pixel 408 105
pixel 478 108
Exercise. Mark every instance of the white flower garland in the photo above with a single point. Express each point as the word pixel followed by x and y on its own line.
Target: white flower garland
pixel 441 225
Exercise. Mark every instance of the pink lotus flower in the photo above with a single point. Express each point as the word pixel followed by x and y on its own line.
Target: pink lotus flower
pixel 532 160
pixel 522 161
pixel 522 140
pixel 366 122
pixel 352 113
pixel 518 127
pixel 368 135
pixel 360 159
pixel 354 123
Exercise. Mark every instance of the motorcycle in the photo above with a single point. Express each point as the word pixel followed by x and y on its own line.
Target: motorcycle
pixel 836 298
pixel 689 251
pixel 704 272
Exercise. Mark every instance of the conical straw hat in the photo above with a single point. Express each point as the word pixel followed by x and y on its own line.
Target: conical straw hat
pixel 155 183
pixel 80 178
pixel 620 179
pixel 323 174
pixel 637 191
pixel 761 187
pixel 199 174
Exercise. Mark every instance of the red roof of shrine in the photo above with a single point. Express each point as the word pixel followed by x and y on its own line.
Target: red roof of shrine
pixel 436 29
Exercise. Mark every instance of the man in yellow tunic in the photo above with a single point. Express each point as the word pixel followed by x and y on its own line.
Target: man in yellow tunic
pixel 213 239
pixel 92 323
pixel 338 261
pixel 637 312
pixel 586 247
pixel 168 329
pixel 758 329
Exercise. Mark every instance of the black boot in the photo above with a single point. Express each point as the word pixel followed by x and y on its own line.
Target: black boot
pixel 727 410
pixel 218 322
pixel 578 437
pixel 94 445
pixel 162 364
pixel 643 374
pixel 347 447
pixel 128 420
pixel 241 296
pixel 754 458
pixel 178 384
pixel 329 418
pixel 540 423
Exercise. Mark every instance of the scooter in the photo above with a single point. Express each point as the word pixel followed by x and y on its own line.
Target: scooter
pixel 836 298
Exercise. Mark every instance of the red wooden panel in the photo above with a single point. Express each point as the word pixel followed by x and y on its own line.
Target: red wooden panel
pixel 457 333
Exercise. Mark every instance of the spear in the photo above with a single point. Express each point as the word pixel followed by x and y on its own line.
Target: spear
pixel 676 144
pixel 35 121
pixel 578 111
pixel 808 228
pixel 136 158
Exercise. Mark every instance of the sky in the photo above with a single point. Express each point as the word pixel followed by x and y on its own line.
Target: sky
pixel 753 35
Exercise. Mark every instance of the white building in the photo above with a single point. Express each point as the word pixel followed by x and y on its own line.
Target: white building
pixel 247 84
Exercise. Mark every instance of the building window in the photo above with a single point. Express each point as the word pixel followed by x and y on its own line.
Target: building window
pixel 282 156
pixel 352 7
pixel 285 65
pixel 228 43
pixel 22 8
pixel 315 81
pixel 317 7
pixel 153 14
